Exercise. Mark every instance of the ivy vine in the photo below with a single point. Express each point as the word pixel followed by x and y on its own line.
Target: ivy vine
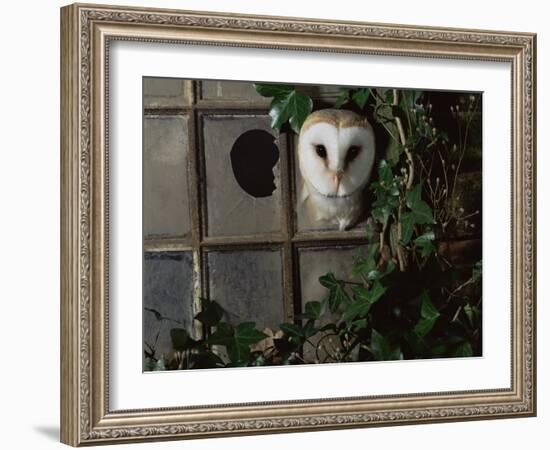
pixel 405 298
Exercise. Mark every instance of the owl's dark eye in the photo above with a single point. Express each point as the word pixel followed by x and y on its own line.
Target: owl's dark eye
pixel 353 151
pixel 321 151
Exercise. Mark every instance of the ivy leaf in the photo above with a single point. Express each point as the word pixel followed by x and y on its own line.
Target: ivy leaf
pixel 409 98
pixel 365 265
pixel 338 296
pixel 288 104
pixel 149 364
pixel 407 227
pixel 222 336
pixel 180 339
pixel 360 324
pixel 272 90
pixel 377 274
pixel 422 213
pixel 344 97
pixel 211 313
pixel 382 214
pixel 328 280
pixel 293 106
pixel 477 271
pixel 309 329
pixel 381 348
pixel 376 291
pixel 297 332
pixel 360 97
pixel 414 195
pixel 425 243
pixel 363 300
pixel 385 174
pixel 237 341
pixel 464 350
pixel 472 313
pixel 428 316
pixel 247 334
pixel 314 310
pixel 291 329
pixel 359 308
pixel 337 293
pixel 160 365
pixel 279 114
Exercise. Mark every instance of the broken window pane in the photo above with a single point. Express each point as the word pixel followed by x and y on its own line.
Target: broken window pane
pixel 248 285
pixel 167 92
pixel 165 195
pixel 230 90
pixel 167 298
pixel 242 175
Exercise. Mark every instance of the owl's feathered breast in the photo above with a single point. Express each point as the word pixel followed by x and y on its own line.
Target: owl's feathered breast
pixel 343 211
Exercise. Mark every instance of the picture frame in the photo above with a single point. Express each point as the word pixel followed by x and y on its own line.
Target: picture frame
pixel 87 176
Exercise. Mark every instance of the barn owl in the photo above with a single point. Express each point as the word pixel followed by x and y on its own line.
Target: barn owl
pixel 336 154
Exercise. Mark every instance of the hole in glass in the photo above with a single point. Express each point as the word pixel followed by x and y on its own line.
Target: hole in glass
pixel 253 156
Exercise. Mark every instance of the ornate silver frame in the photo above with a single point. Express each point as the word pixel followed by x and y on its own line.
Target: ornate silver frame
pixel 86 31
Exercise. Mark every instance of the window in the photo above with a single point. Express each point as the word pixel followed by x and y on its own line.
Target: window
pixel 220 215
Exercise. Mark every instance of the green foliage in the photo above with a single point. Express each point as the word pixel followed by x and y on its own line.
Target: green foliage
pixel 314 310
pixel 402 299
pixel 425 243
pixel 288 104
pixel 358 96
pixel 418 213
pixel 420 210
pixel 382 349
pixel 428 316
pixel 476 272
pixel 272 90
pixel 463 350
pixel 211 313
pixel 180 339
pixel 237 341
pixel 363 299
pixel 337 293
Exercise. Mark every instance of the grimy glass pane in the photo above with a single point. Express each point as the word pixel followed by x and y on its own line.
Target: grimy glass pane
pixel 230 90
pixel 167 92
pixel 165 194
pixel 167 293
pixel 323 93
pixel 248 285
pixel 242 175
pixel 244 90
pixel 316 262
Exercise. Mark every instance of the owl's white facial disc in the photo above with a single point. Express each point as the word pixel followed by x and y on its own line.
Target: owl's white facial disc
pixel 337 162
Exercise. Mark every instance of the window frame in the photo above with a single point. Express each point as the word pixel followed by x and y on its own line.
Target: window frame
pixel 289 240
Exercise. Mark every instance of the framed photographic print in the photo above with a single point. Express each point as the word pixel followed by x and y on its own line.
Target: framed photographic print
pixel 276 224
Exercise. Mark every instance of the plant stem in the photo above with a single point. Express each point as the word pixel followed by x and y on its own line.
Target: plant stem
pixel 410 162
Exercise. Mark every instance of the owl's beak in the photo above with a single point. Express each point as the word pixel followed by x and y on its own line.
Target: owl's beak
pixel 336 177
